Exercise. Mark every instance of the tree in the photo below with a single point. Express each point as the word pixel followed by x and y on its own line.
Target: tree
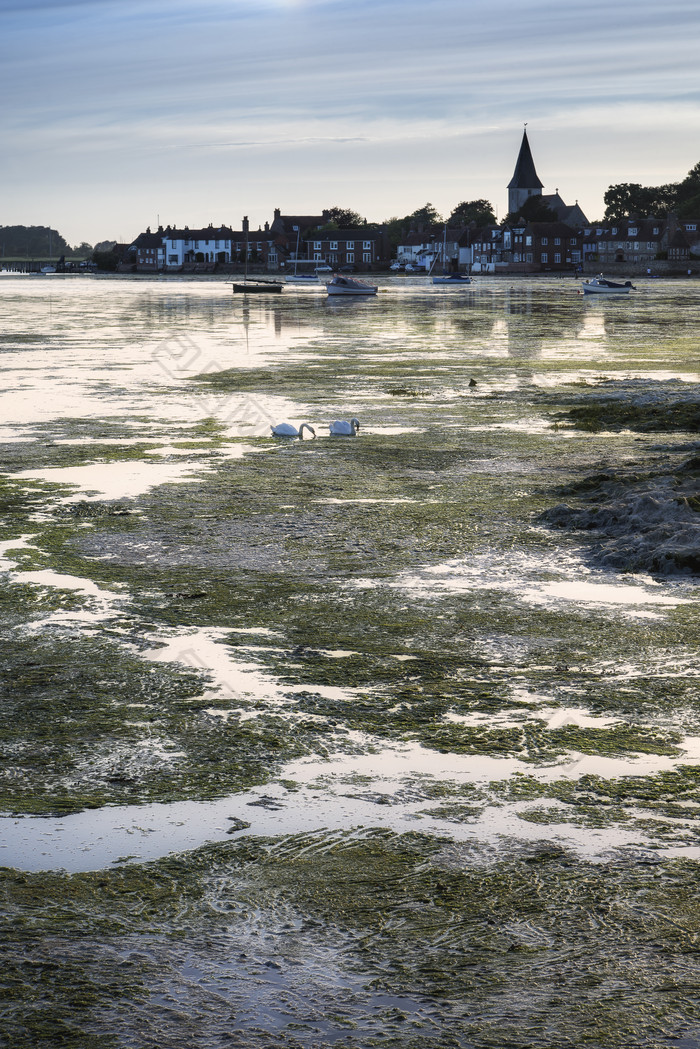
pixel 533 210
pixel 423 218
pixel 631 198
pixel 479 212
pixel 108 259
pixel 39 242
pixel 342 218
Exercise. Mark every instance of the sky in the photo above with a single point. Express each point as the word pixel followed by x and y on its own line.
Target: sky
pixel 123 114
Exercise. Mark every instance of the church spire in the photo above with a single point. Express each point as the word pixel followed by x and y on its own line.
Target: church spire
pixel 524 182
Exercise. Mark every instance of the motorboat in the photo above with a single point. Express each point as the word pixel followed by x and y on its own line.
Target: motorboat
pixel 343 285
pixel 453 278
pixel 600 286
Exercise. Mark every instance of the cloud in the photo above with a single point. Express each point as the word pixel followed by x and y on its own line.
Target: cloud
pixel 236 90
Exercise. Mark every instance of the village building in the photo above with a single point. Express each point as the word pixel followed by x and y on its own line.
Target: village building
pixel 422 249
pixel 531 247
pixel 358 248
pixel 570 243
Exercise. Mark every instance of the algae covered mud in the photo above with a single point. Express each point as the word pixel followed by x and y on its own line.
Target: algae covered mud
pixel 387 740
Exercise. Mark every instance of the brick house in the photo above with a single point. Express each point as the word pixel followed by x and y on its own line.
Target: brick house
pixel 362 248
pixel 533 247
pixel 147 251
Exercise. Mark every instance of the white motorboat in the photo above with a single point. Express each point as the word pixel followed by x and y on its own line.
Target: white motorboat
pixel 600 286
pixel 342 285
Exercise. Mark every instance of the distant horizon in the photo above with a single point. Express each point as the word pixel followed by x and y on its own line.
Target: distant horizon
pixel 125 114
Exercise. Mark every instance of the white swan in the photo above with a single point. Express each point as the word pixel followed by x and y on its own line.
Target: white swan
pixel 342 428
pixel 287 430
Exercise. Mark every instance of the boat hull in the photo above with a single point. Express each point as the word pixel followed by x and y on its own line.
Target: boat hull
pixel 350 286
pixel 263 287
pixel 601 286
pixel 601 290
pixel 456 282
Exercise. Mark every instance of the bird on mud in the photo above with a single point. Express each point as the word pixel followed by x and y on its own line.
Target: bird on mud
pixel 287 430
pixel 342 428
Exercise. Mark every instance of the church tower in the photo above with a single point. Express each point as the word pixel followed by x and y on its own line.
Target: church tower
pixel 524 182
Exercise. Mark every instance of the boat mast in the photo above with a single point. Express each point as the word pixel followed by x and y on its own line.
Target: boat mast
pixel 245 231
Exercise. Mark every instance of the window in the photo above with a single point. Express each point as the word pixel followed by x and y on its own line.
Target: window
pixel 691 227
pixel 366 256
pixel 350 256
pixel 334 245
pixel 573 240
pixel 557 240
pixel 367 245
pixel 529 256
pixel 656 231
pixel 543 257
pixel 614 231
pixel 632 231
pixel 557 257
pixel 317 245
pixel 544 241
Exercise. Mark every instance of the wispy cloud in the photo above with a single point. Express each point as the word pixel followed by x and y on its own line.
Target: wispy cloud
pixel 219 89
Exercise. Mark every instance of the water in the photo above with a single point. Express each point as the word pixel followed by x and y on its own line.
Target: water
pixel 463 641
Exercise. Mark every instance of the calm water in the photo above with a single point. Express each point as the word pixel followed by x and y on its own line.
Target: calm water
pixel 375 643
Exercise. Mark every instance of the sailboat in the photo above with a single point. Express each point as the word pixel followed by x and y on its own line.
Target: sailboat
pixel 451 277
pixel 248 286
pixel 301 278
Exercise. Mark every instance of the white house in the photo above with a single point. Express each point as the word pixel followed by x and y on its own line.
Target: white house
pixel 209 245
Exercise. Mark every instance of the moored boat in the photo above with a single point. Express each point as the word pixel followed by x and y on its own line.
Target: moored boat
pixel 257 286
pixel 600 286
pixel 302 278
pixel 342 285
pixel 453 278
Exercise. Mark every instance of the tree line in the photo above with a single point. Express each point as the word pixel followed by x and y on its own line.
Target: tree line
pixel 38 242
pixel 631 199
